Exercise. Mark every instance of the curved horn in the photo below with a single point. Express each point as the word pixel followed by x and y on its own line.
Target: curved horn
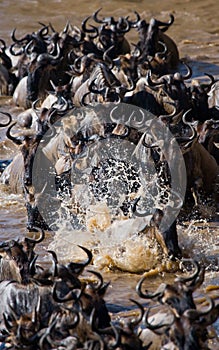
pixel 93 90
pixel 189 71
pixel 132 85
pixel 55 262
pixel 115 119
pixel 61 108
pixel 193 276
pixel 65 30
pixel 159 292
pixel 190 124
pixel 117 341
pixel 154 327
pixel 168 118
pixel 107 59
pixel 99 276
pixel 32 265
pixel 48 26
pixel 52 118
pixel 85 29
pixel 136 321
pixel 135 211
pixel 9 119
pixel 166 25
pixel 43 56
pixel 43 31
pixel 194 314
pixel 161 54
pixel 27 48
pixel 147 145
pixel 78 267
pixel 71 58
pixel 41 237
pixel 68 297
pixel 82 102
pixel 15 53
pixel 133 24
pixel 211 77
pixel 121 90
pixel 138 51
pixel 45 337
pixel 52 28
pixel 16 140
pixel 26 37
pixel 34 105
pixel 212 81
pixel 188 139
pixel 89 256
pixel 96 19
pixel 151 83
pixel 112 330
pixel 80 64
pixel 50 123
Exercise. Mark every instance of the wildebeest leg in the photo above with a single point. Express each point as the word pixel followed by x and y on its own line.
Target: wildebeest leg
pixel 39 192
pixel 171 240
pixel 34 218
pixel 169 235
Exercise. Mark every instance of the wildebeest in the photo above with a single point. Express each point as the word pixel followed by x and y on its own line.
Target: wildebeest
pixel 185 326
pixel 94 64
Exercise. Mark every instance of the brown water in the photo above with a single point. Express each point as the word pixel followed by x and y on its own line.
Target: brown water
pixel 196 32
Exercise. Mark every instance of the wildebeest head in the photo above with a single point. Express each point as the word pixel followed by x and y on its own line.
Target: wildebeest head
pixel 16 258
pixel 170 88
pixel 4 58
pixel 92 299
pixel 178 296
pixel 39 75
pixel 199 99
pixel 29 141
pixel 151 38
pixel 109 32
pixel 189 330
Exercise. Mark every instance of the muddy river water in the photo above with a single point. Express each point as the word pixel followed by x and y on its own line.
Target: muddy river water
pixel 196 32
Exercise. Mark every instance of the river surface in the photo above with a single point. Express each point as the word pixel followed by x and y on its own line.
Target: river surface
pixel 196 32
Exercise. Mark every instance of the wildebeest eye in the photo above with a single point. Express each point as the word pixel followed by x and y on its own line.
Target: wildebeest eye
pixel 162 93
pixel 173 301
pixel 75 143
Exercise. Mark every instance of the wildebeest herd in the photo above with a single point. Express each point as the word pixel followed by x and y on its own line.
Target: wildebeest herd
pixel 54 77
pixel 58 307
